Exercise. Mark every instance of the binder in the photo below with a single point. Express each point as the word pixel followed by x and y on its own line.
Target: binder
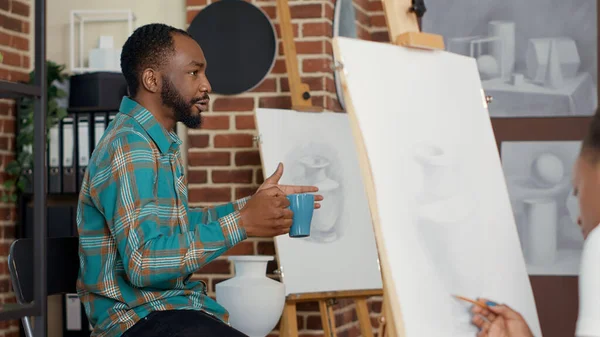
pixel 54 171
pixel 68 138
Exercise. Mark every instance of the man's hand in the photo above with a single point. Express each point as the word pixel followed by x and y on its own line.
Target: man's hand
pixel 500 321
pixel 266 214
pixel 273 181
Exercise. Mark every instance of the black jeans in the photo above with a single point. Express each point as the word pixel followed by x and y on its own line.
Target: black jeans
pixel 181 323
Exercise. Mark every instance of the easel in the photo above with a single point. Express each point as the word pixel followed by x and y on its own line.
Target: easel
pixel 301 101
pixel 402 18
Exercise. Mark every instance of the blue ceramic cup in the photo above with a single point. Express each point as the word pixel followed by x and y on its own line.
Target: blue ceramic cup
pixel 303 205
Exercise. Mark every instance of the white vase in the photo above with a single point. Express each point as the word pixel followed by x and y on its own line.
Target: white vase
pixel 254 301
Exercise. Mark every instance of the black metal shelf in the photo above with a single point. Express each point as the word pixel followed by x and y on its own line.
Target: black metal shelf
pixel 39 90
pixel 14 89
pixel 15 310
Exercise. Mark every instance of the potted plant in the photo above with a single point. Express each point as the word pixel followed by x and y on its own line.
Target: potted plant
pixel 17 181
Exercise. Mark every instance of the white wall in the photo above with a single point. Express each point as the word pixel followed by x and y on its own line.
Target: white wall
pixel 171 12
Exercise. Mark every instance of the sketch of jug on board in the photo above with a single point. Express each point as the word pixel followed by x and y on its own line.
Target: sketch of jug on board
pixel 446 208
pixel 316 166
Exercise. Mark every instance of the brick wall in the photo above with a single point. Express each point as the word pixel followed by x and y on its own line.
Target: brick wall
pixel 224 163
pixel 15 44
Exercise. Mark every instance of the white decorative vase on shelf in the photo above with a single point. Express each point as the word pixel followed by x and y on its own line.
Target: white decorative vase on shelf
pixel 254 301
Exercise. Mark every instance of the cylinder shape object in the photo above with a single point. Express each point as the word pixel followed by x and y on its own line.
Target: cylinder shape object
pixel 541 238
pixel 504 49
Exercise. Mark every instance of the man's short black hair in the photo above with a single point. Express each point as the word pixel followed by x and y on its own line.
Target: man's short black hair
pixel 149 46
pixel 591 142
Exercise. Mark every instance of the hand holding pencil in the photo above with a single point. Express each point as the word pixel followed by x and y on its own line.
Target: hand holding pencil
pixel 497 320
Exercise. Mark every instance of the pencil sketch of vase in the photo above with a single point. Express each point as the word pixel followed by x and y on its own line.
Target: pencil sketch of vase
pixel 445 215
pixel 317 165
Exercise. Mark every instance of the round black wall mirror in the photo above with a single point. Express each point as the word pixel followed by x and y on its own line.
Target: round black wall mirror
pixel 239 43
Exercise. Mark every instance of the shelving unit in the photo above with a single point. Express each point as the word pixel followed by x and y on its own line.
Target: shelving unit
pixel 38 308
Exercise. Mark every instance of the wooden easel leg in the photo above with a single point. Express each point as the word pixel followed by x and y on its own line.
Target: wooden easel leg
pixel 289 326
pixel 327 318
pixel 362 311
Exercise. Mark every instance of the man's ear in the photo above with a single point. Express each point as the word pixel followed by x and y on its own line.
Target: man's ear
pixel 151 79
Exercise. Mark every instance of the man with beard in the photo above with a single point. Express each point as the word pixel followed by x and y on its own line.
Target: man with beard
pixel 140 242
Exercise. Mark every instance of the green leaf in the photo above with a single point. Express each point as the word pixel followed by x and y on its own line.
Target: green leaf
pixel 8 184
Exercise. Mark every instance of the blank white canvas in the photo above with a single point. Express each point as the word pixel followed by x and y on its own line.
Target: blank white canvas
pixel 444 215
pixel 317 149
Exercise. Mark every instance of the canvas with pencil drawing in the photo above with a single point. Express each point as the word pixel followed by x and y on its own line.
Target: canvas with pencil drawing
pixel 441 212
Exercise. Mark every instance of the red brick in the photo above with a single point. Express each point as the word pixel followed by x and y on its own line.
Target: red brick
pixel 309 47
pixel 330 85
pixel 259 177
pixel 199 141
pixel 295 30
pixel 376 6
pixel 317 29
pixel 378 20
pixel 11 23
pixel 215 122
pixel 361 5
pixel 247 158
pixel 305 47
pixel 333 104
pixel 316 65
pixel 25 27
pixel 19 43
pixel 18 76
pixel 267 85
pixel 307 306
pixel 265 248
pixel 329 11
pixel 315 83
pixel 380 36
pixel 190 15
pixel 306 11
pixel 245 122
pixel 362 18
pixel 4 74
pixel 209 158
pixel 197 176
pixel 20 8
pixel 9 125
pixel 234 104
pixel 242 192
pixel 232 176
pixel 279 67
pixel 11 58
pixel 275 102
pixel 195 2
pixel 318 101
pixel 233 140
pixel 25 61
pixel 8 232
pixel 328 48
pixel 362 33
pixel 5 5
pixel 314 323
pixel 218 266
pixel 210 194
pixel 270 11
pixel 5 39
pixel 242 248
